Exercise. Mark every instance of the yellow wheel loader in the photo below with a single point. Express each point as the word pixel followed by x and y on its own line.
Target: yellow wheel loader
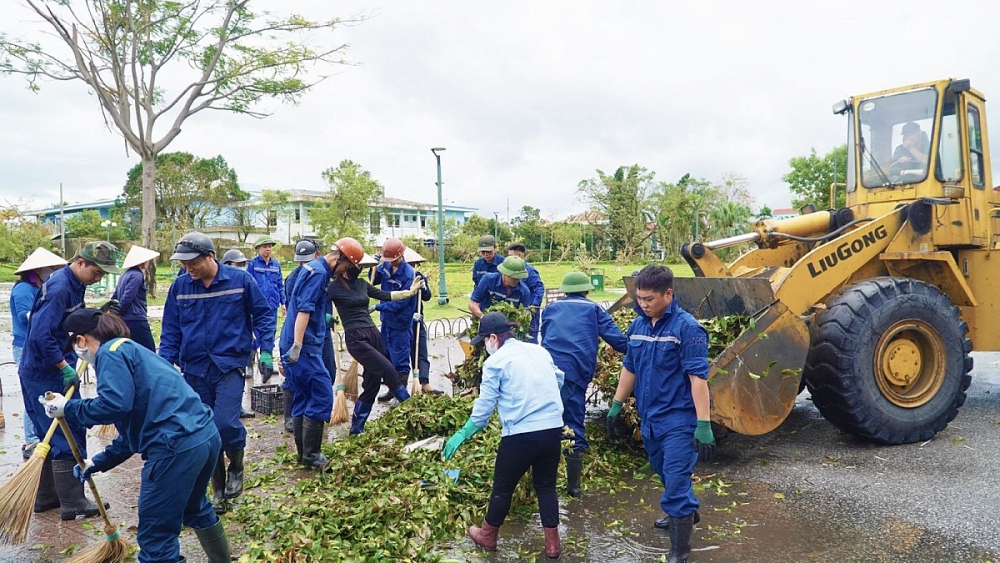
pixel 875 306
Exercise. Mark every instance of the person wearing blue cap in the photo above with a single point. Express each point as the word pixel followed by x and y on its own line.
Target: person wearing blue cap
pixel 522 384
pixel 157 415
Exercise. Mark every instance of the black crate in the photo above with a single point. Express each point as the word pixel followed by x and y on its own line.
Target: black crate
pixel 267 399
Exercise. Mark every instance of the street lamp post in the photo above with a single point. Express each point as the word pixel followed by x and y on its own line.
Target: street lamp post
pixel 496 221
pixel 442 286
pixel 108 224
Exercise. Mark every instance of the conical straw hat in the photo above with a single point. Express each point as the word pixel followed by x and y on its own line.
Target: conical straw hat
pixel 412 256
pixel 137 255
pixel 41 258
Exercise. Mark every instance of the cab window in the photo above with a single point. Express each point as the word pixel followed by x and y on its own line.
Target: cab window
pixel 975 148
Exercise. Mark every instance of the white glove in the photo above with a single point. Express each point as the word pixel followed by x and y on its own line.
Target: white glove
pixel 53 407
pixel 417 317
pixel 371 309
pixel 293 352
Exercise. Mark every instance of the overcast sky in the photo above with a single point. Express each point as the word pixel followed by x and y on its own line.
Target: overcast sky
pixel 529 98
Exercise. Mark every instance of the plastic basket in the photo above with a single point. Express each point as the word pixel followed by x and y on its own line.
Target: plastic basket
pixel 267 399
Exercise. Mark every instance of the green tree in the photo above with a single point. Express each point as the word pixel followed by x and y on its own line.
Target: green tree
pixel 621 197
pixel 87 224
pixel 191 192
pixel 682 210
pixel 811 176
pixel 152 64
pixel 477 226
pixel 19 236
pixel 527 226
pixel 765 212
pixel 266 211
pixel 353 202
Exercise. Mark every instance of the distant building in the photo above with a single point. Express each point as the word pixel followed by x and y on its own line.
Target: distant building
pixel 51 214
pixel 784 213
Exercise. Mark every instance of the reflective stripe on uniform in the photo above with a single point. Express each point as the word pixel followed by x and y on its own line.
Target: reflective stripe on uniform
pixel 119 342
pixel 223 293
pixel 645 338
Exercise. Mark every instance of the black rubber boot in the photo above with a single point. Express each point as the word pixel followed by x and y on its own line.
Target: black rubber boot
pixel 234 477
pixel 213 541
pixel 574 472
pixel 664 523
pixel 72 501
pixel 219 485
pixel 680 538
pixel 297 432
pixel 385 397
pixel 46 499
pixel 312 439
pixel 286 399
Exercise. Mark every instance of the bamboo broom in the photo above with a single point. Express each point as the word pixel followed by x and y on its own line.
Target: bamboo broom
pixel 17 495
pixel 340 412
pixel 351 381
pixel 415 388
pixel 105 430
pixel 116 548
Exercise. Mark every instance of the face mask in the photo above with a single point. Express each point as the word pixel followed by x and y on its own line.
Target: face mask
pixel 490 348
pixel 84 354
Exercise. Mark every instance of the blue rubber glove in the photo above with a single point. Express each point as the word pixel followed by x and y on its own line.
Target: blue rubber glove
pixel 456 441
pixel 614 415
pixel 84 473
pixel 704 439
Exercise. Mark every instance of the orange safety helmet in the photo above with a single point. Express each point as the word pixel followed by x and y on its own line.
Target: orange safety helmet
pixel 392 248
pixel 351 249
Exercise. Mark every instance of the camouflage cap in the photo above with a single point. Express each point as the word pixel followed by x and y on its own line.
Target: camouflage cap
pixel 103 254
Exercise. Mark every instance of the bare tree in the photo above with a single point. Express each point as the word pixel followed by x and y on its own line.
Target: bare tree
pixel 230 57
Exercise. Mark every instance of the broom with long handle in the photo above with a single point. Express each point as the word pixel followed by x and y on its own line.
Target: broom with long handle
pixel 351 381
pixel 415 388
pixel 116 548
pixel 105 430
pixel 340 413
pixel 17 495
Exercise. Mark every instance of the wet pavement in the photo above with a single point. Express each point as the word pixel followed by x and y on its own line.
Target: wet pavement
pixel 803 493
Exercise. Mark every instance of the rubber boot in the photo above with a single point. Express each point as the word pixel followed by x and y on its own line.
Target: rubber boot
pixel 400 393
pixel 574 472
pixel 219 485
pixel 46 499
pixel 485 537
pixel 213 541
pixel 553 547
pixel 72 501
pixel 312 439
pixel 297 432
pixel 286 398
pixel 385 397
pixel 234 477
pixel 664 523
pixel 361 413
pixel 680 538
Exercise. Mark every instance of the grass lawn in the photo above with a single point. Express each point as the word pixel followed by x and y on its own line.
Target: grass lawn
pixel 7 272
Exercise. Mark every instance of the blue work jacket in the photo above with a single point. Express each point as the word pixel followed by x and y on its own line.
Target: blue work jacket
pixel 47 341
pixel 491 290
pixel 481 267
pixel 308 295
pixel 395 314
pixel 522 384
pixel 156 412
pixel 535 285
pixel 131 295
pixel 22 297
pixel 215 324
pixel 662 357
pixel 570 329
pixel 269 278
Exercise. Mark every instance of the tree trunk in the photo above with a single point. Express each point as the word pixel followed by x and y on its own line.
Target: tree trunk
pixel 149 215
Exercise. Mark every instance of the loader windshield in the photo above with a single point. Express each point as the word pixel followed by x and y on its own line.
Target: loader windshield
pixel 894 137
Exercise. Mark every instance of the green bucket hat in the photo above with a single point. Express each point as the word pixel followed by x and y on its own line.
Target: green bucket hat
pixel 102 254
pixel 575 282
pixel 262 240
pixel 514 267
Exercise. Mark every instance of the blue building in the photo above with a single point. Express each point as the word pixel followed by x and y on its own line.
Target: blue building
pixel 51 215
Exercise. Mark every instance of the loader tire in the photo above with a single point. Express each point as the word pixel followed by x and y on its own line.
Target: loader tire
pixel 889 360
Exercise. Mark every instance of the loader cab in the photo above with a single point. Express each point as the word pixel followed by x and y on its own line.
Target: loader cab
pixel 926 140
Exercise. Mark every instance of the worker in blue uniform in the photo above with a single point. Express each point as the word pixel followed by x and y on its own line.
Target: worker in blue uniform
pixel 504 285
pixel 131 295
pixel 489 260
pixel 535 286
pixel 667 367
pixel 158 416
pixel 395 274
pixel 570 329
pixel 234 257
pixel 208 322
pixel 266 270
pixel 47 364
pixel 418 350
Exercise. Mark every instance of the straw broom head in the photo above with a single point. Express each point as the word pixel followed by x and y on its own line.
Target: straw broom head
pixel 17 496
pixel 415 388
pixel 107 431
pixel 351 381
pixel 114 550
pixel 340 412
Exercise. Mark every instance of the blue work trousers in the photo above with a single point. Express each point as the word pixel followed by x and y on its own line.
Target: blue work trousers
pixel 171 495
pixel 29 428
pixel 140 333
pixel 398 344
pixel 672 456
pixel 310 384
pixel 574 400
pixel 418 354
pixel 31 389
pixel 223 393
pixel 329 356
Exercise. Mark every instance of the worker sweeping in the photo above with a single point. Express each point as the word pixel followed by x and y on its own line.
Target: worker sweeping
pixel 570 329
pixel 157 415
pixel 47 365
pixel 394 274
pixel 351 294
pixel 131 295
pixel 522 384
pixel 208 319
pixel 667 367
